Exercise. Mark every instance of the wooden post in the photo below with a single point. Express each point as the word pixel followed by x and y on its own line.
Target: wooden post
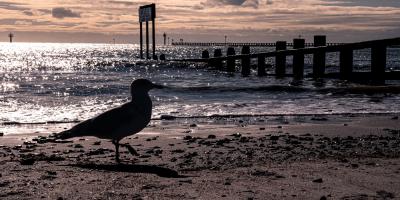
pixel 298 59
pixel 246 61
pixel 261 66
pixel 230 63
pixel 346 62
pixel 217 63
pixel 205 54
pixel 154 38
pixel 141 40
pixel 378 62
pixel 147 39
pixel 280 60
pixel 162 57
pixel 319 58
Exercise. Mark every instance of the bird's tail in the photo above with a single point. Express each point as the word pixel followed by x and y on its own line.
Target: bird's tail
pixel 64 135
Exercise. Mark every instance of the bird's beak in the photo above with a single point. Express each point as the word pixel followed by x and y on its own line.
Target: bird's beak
pixel 157 86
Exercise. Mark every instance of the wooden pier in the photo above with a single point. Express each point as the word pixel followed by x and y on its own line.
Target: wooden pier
pixel 378 59
pixel 234 44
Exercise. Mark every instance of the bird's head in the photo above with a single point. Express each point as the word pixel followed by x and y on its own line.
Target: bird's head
pixel 143 86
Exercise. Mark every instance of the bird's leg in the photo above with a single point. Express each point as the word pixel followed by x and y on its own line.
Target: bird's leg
pixel 130 149
pixel 116 143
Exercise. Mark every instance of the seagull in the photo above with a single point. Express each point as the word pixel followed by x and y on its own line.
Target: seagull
pixel 115 124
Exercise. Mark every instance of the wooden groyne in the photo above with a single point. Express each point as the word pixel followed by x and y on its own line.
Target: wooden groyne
pixel 235 44
pixel 319 50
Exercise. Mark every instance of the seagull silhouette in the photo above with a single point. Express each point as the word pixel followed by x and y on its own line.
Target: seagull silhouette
pixel 117 123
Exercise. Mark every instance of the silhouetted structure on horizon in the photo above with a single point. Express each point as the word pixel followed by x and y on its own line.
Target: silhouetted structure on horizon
pixel 147 13
pixel 11 36
pixel 319 49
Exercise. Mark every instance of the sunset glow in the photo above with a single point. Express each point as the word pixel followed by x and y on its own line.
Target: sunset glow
pixel 245 20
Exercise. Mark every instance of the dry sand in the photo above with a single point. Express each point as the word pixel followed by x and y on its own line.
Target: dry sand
pixel 291 157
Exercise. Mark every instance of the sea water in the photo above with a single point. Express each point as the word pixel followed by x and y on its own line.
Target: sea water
pixel 48 82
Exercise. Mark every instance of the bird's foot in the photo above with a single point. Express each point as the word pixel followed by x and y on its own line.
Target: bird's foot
pixel 130 149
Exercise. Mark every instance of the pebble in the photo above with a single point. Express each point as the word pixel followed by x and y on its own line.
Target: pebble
pixel 78 146
pixel 1 134
pixel 323 198
pixel 27 161
pixel 97 143
pixel 187 137
pixel 167 117
pixel 395 117
pixel 193 125
pixel 354 165
pixel 319 180
pixel 211 137
pixel 236 135
pixel 274 137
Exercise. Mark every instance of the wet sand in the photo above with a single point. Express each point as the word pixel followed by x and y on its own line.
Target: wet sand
pixel 272 157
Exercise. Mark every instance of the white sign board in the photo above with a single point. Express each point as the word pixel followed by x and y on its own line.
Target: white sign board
pixel 147 13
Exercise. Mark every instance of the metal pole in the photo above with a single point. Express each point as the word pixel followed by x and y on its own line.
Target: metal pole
pixel 147 39
pixel 154 38
pixel 141 40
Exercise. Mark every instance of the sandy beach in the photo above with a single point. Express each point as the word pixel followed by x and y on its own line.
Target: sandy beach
pixel 271 157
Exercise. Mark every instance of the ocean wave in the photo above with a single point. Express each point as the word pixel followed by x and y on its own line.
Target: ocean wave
pixel 292 89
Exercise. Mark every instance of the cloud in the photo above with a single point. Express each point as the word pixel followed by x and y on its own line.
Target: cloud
pixel 12 6
pixel 214 3
pixel 61 13
pixel 28 12
pixel 251 3
pixel 367 3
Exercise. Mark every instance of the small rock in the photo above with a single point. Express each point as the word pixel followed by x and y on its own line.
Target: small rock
pixel 167 117
pixel 187 137
pixel 1 134
pixel 78 146
pixel 262 128
pixel 51 173
pixel 4 183
pixel 354 165
pixel 193 125
pixel 345 124
pixel 319 180
pixel 323 198
pixel 97 143
pixel 178 151
pixel 385 195
pixel 145 156
pixel 211 137
pixel 27 161
pixel 274 137
pixel 279 127
pixel 395 117
pixel 237 135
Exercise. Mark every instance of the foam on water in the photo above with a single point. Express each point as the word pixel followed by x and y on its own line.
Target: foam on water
pixel 68 82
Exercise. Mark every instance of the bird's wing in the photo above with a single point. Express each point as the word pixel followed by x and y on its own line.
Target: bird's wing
pixel 106 122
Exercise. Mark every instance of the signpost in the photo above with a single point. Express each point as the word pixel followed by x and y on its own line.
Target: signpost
pixel 147 13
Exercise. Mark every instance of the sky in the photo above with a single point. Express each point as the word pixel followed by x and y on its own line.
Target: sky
pixel 200 20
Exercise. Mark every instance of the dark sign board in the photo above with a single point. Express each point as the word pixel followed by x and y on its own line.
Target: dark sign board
pixel 147 13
